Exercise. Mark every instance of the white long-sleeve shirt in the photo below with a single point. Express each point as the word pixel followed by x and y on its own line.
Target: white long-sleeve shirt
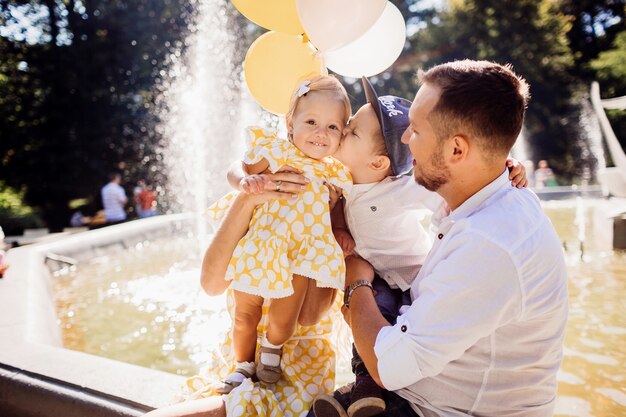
pixel 384 220
pixel 484 333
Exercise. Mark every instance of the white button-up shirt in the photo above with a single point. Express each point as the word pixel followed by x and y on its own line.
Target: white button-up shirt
pixel 485 331
pixel 384 220
pixel 113 200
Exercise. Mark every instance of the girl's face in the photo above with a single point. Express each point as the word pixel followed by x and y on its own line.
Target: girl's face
pixel 317 124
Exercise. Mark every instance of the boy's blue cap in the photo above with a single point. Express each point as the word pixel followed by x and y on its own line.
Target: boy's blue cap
pixel 393 115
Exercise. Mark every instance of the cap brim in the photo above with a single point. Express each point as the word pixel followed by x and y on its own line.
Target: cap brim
pixel 372 98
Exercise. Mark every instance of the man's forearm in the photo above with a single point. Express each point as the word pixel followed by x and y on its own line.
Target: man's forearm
pixel 217 256
pixel 366 321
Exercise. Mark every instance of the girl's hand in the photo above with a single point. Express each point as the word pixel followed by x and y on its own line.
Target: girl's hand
pixel 254 184
pixel 335 194
pixel 517 173
pixel 345 240
pixel 283 185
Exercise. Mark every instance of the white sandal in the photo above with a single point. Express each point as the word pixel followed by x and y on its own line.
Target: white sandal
pixel 228 384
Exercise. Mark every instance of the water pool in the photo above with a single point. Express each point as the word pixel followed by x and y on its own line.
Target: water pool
pixel 143 305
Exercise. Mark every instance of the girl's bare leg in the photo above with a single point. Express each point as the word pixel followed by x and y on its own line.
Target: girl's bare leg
pixel 204 407
pixel 248 309
pixel 317 302
pixel 284 312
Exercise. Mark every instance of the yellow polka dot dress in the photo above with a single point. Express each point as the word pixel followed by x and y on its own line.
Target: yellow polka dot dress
pixel 308 364
pixel 287 237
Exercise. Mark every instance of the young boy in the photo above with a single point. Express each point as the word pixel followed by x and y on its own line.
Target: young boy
pixel 383 225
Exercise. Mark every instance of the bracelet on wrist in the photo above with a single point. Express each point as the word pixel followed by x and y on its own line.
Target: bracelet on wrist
pixel 350 290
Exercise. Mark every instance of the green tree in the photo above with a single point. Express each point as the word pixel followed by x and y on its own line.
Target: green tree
pixel 77 94
pixel 532 36
pixel 595 23
pixel 14 214
pixel 610 67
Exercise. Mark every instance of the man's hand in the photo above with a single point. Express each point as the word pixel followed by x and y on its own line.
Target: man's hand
pixel 517 173
pixel 345 240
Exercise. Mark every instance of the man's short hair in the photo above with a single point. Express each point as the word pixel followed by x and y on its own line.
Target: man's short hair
pixel 114 175
pixel 480 99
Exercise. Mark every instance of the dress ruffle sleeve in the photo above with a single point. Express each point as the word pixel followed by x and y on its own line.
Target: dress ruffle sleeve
pixel 265 144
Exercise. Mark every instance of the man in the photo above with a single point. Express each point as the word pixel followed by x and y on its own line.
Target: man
pixel 114 199
pixel 484 333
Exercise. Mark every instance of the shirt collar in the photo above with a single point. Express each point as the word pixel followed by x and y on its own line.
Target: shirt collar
pixel 477 200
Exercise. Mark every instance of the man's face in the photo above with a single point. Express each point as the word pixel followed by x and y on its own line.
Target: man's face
pixel 358 143
pixel 429 166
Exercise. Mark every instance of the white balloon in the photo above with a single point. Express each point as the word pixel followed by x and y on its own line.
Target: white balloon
pixel 374 51
pixel 331 24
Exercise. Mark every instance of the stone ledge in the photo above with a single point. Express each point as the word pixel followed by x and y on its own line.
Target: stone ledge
pixel 38 377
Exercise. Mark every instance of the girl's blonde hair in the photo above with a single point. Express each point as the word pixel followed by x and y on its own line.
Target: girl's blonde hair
pixel 323 83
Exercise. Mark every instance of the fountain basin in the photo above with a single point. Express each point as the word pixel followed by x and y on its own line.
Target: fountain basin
pixel 569 192
pixel 37 375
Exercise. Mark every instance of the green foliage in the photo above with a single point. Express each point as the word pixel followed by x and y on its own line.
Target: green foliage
pixel 15 215
pixel 610 68
pixel 547 41
pixel 595 23
pixel 76 103
pixel 77 98
pixel 532 36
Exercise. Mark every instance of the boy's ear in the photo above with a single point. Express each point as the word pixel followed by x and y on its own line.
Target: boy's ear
pixel 380 163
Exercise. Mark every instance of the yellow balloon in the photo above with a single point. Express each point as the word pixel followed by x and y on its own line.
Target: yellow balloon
pixel 275 64
pixel 277 15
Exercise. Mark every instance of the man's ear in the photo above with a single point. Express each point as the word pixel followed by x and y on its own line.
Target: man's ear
pixel 457 149
pixel 380 163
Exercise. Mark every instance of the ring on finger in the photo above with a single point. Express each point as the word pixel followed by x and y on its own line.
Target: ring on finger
pixel 278 184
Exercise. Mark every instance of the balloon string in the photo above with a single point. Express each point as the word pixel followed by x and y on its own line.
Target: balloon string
pixel 317 54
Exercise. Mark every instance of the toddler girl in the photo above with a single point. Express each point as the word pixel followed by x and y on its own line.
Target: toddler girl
pixel 288 242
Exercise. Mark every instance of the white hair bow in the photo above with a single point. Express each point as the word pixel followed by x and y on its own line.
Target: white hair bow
pixel 303 88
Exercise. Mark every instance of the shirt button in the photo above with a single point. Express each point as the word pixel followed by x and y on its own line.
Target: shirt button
pixel 373 208
pixel 403 328
pixel 440 236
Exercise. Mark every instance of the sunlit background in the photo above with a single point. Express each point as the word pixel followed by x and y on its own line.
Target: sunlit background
pixel 155 90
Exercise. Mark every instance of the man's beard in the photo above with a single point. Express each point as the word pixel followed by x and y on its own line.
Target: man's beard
pixel 436 174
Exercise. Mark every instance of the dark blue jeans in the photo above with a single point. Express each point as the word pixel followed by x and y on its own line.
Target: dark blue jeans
pixel 389 301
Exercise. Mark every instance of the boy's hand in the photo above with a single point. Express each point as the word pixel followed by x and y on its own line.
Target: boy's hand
pixel 345 240
pixel 517 173
pixel 335 194
pixel 254 184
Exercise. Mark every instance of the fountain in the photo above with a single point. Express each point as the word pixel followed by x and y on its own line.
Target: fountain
pixel 200 100
pixel 612 178
pixel 40 375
